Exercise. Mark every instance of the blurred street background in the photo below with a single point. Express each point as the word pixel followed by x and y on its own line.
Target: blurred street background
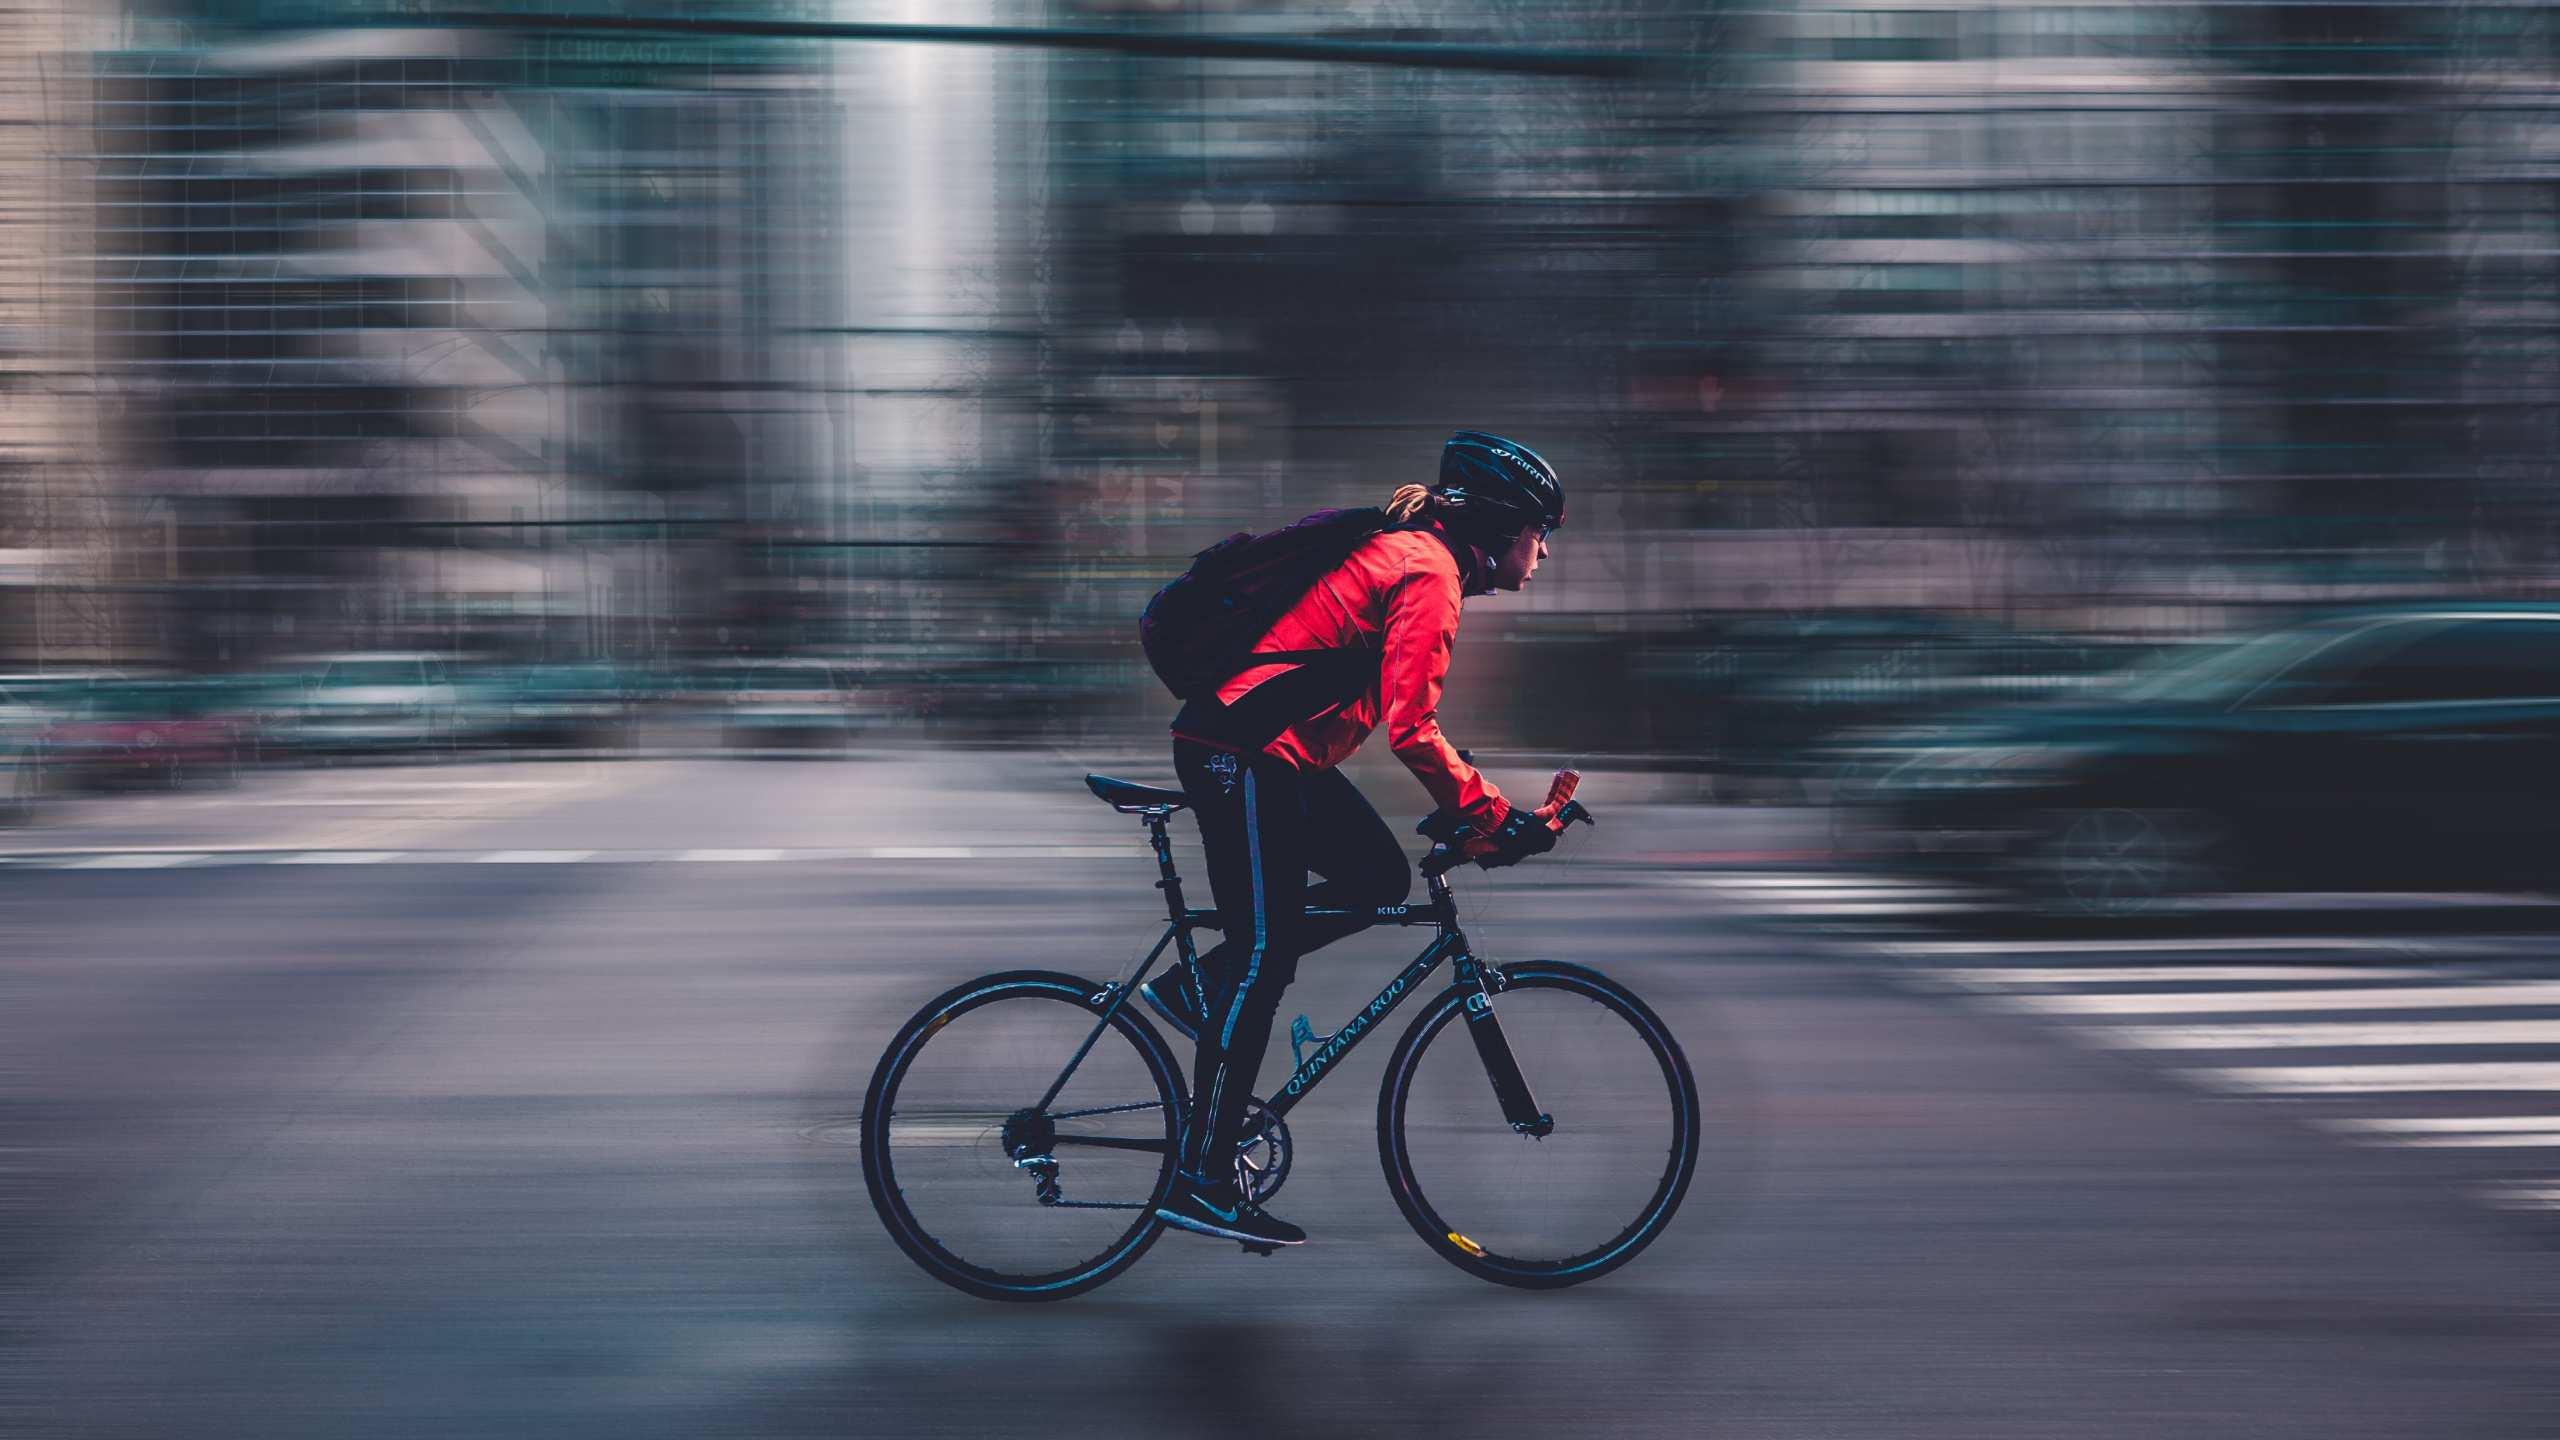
pixel 391 1109
pixel 2005 344
pixel 560 567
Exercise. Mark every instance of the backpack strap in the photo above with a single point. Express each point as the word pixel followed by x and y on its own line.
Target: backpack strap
pixel 1469 581
pixel 1319 682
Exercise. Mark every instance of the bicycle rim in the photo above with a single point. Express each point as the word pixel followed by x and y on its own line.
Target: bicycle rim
pixel 1542 1212
pixel 934 1128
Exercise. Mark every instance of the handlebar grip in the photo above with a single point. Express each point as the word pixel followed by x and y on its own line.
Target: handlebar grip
pixel 1561 789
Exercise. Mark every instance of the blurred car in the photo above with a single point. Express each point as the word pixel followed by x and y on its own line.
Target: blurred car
pixel 584 704
pixel 155 732
pixel 377 701
pixel 2408 749
pixel 1762 694
pixel 779 704
pixel 23 722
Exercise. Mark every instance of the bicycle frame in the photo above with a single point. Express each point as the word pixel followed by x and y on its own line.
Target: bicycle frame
pixel 1481 982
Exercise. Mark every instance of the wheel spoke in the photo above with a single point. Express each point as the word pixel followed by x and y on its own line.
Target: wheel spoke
pixel 1000 1201
pixel 1579 1201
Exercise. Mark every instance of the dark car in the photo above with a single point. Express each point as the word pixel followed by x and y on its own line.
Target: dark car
pixel 1762 695
pixel 157 733
pixel 585 704
pixel 2410 749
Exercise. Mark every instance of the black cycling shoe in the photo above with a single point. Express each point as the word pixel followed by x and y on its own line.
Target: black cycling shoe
pixel 1175 995
pixel 1218 1210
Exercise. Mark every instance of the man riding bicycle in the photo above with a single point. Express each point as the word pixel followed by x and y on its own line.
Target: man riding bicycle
pixel 1271 812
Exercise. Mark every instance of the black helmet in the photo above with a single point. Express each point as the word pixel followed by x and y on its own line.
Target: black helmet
pixel 1503 488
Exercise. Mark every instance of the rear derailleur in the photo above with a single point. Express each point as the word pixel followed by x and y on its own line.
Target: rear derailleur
pixel 1029 1136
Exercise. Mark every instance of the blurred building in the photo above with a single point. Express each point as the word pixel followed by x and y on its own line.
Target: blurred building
pixel 422 338
pixel 2135 320
pixel 2138 319
pixel 58 605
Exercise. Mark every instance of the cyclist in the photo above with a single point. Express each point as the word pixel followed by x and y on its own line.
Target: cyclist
pixel 1270 814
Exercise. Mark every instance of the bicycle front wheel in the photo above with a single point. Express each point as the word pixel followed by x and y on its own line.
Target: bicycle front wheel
pixel 987 1190
pixel 1547 1211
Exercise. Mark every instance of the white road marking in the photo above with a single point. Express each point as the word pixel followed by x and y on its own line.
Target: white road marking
pixel 2155 974
pixel 2522 1132
pixel 2446 1124
pixel 2504 1140
pixel 2313 944
pixel 534 857
pixel 2523 1197
pixel 336 857
pixel 2443 997
pixel 719 856
pixel 135 860
pixel 1864 884
pixel 2382 1079
pixel 922 852
pixel 2317 1036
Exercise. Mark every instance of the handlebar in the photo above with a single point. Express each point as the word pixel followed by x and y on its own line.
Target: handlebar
pixel 1458 842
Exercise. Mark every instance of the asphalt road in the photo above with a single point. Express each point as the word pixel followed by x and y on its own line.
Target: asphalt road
pixel 509 1100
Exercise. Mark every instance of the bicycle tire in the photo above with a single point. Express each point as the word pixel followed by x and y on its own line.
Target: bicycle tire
pixel 1541 1213
pixel 933 1124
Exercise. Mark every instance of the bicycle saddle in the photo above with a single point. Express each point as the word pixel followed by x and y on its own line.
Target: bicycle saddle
pixel 1130 799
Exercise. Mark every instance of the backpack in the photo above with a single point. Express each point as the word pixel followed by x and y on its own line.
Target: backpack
pixel 1199 631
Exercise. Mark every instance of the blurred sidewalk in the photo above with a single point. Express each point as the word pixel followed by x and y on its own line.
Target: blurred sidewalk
pixel 1006 799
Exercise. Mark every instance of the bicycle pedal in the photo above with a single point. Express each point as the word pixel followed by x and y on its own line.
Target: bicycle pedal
pixel 1252 1249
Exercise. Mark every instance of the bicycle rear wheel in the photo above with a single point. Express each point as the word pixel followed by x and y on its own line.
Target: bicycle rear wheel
pixel 1545 1212
pixel 992 1196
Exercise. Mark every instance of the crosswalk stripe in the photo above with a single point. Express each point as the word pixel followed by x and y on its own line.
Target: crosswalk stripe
pixel 2502 1140
pixel 1864 884
pixel 2163 944
pixel 136 860
pixel 2156 974
pixel 2317 1037
pixel 2468 1132
pixel 2526 1143
pixel 2379 1079
pixel 2445 1124
pixel 2450 997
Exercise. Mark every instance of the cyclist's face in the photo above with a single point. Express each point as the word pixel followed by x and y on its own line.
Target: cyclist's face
pixel 1513 567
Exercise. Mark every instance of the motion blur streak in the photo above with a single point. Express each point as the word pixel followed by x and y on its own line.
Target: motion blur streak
pixel 559 571
pixel 2015 338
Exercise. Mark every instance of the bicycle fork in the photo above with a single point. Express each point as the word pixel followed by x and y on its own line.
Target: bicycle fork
pixel 1482 982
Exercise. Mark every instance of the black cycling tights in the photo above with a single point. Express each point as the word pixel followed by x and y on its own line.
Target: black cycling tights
pixel 1264 824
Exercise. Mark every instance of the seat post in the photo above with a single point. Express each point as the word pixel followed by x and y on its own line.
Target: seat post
pixel 1171 884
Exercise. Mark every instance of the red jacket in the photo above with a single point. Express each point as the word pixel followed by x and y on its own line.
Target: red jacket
pixel 1399 594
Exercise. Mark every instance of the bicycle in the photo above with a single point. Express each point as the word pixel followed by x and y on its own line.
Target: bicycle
pixel 1021 1128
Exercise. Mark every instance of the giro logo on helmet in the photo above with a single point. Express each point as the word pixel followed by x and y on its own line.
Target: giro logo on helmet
pixel 1513 484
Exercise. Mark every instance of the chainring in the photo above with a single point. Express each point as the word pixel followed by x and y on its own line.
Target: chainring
pixel 1262 1161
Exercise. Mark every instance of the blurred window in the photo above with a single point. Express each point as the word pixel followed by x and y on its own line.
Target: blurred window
pixel 2477 660
pixel 2343 671
pixel 127 702
pixel 1895 35
pixel 2226 673
pixel 375 672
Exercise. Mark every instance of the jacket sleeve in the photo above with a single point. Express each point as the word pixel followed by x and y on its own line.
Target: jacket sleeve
pixel 1422 623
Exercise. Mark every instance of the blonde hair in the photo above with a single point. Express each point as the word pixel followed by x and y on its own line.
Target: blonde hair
pixel 1407 502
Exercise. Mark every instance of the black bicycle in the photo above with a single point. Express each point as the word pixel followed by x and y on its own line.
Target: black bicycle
pixel 1021 1129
